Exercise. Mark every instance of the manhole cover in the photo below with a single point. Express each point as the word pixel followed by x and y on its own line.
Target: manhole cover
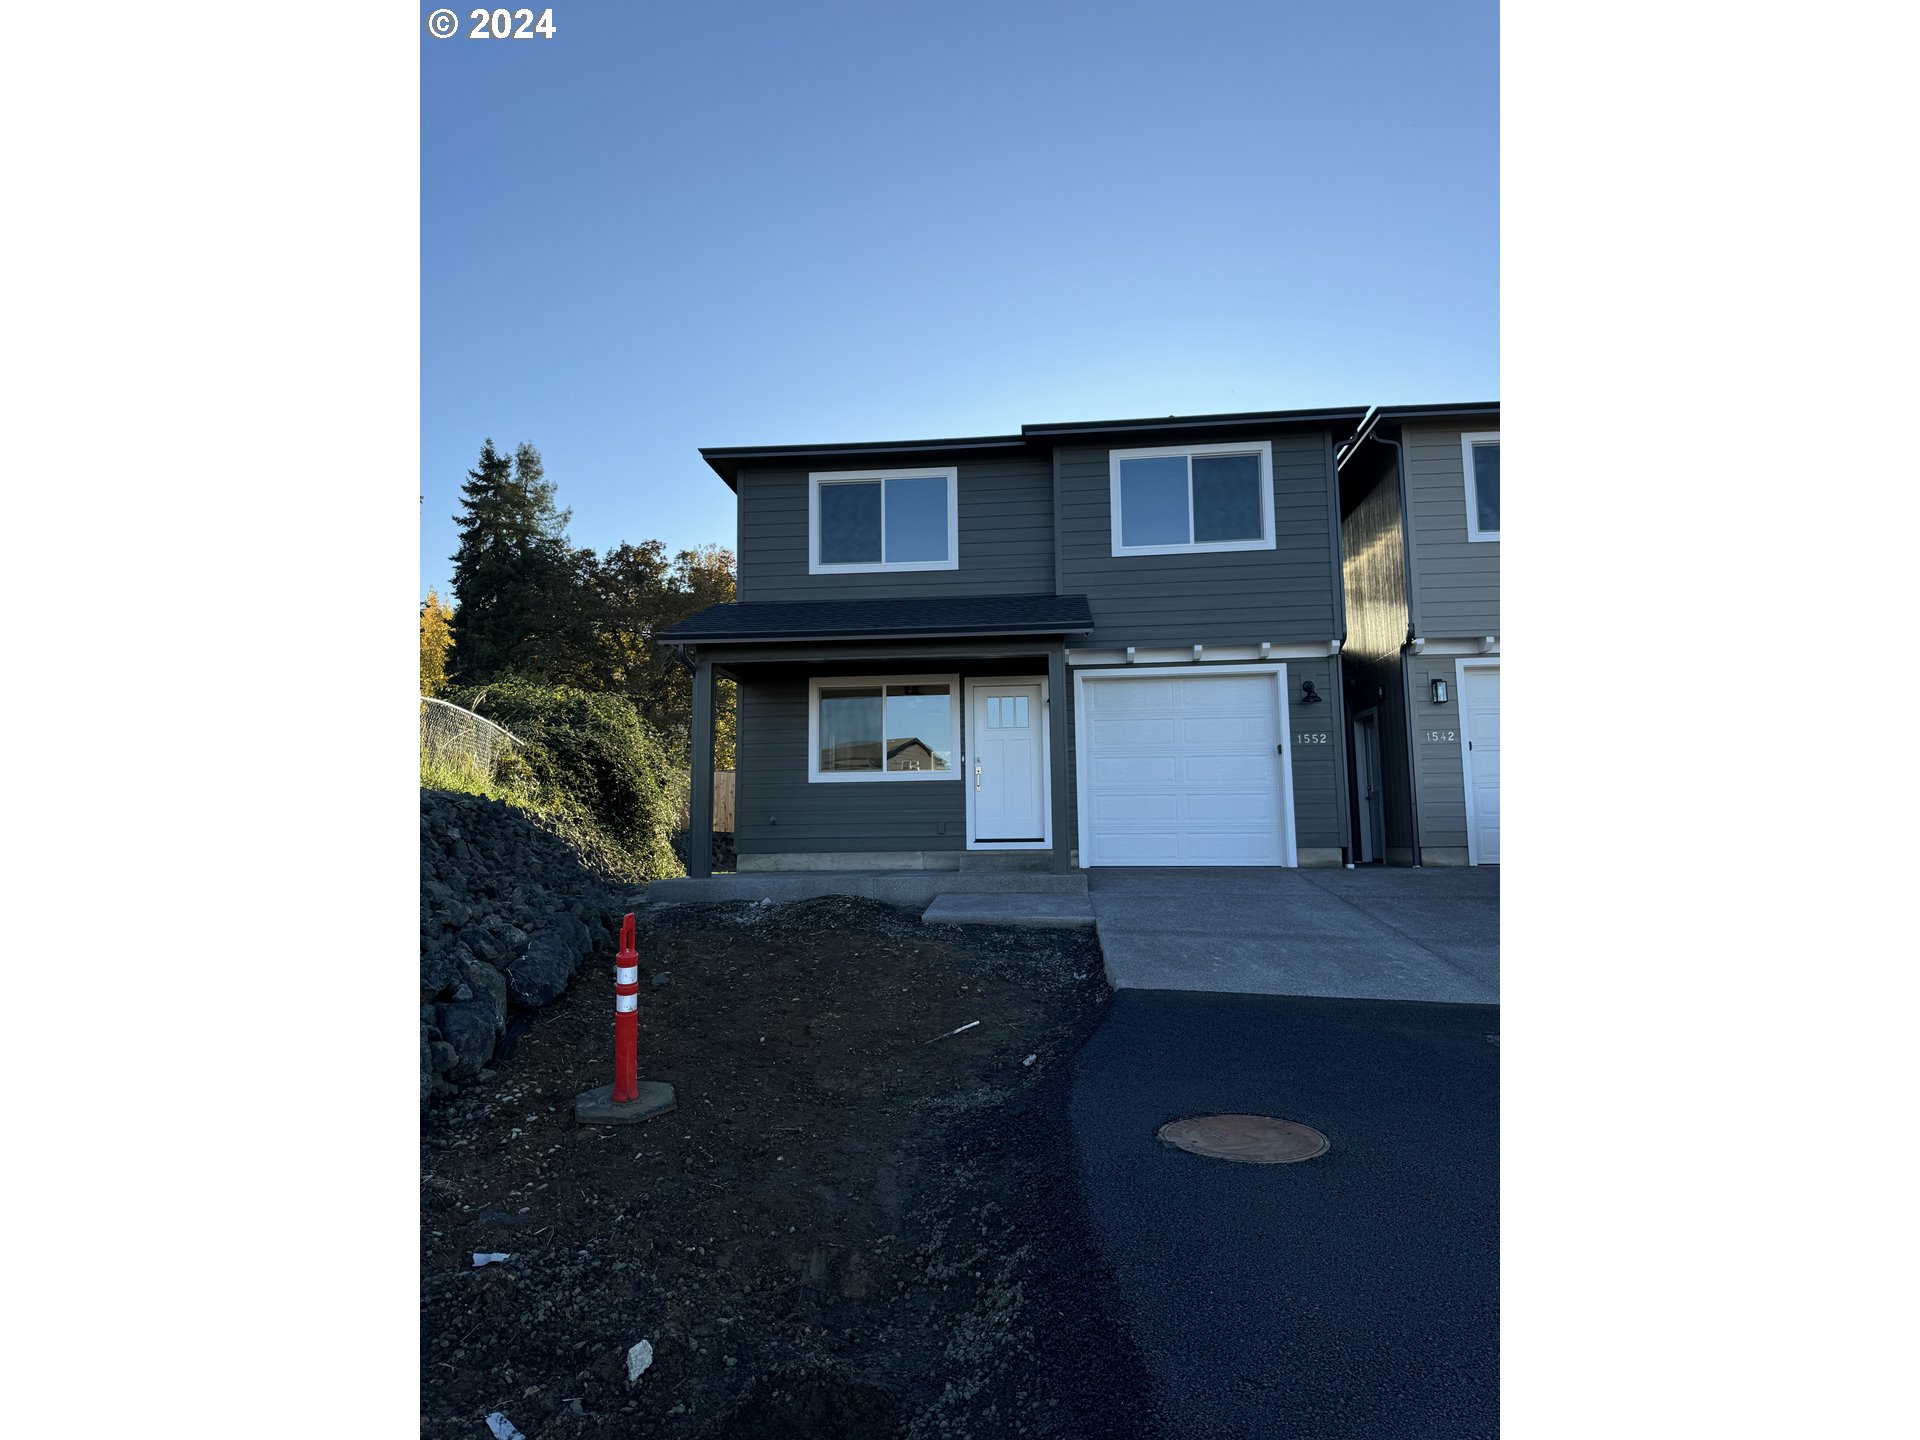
pixel 1251 1139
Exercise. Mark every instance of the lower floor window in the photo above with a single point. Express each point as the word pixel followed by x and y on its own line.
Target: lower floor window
pixel 886 728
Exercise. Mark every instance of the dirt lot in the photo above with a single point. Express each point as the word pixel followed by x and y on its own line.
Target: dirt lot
pixel 850 1227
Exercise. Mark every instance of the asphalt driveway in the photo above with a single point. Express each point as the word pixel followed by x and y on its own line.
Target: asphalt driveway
pixel 1374 933
pixel 1353 1295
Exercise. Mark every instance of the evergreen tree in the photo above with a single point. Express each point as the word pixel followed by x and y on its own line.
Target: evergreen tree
pixel 516 580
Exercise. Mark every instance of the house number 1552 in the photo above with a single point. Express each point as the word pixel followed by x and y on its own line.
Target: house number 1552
pixel 1319 738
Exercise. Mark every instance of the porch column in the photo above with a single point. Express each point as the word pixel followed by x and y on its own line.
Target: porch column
pixel 700 777
pixel 1059 697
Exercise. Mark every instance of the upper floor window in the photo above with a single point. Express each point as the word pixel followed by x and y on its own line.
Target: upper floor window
pixel 1169 500
pixel 866 520
pixel 1480 458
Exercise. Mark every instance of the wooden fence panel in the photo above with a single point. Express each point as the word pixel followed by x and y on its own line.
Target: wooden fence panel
pixel 722 803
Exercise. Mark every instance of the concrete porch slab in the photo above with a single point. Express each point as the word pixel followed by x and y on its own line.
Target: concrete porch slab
pixel 896 887
pixel 1042 912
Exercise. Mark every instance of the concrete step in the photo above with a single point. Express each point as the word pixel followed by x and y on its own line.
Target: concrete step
pixel 1043 912
pixel 897 887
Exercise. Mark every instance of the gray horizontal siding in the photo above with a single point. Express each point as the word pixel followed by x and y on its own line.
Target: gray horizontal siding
pixel 1006 538
pixel 1226 597
pixel 1457 580
pixel 779 810
pixel 1319 775
pixel 1438 763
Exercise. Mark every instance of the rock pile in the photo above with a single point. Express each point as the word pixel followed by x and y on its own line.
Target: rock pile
pixel 507 913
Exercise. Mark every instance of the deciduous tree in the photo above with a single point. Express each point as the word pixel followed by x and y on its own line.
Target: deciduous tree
pixel 641 593
pixel 436 639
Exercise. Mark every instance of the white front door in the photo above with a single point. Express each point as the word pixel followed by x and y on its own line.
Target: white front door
pixel 1006 728
pixel 1480 729
pixel 1184 767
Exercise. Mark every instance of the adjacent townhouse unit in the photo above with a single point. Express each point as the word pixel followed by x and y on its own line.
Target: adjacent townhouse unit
pixel 1113 643
pixel 1420 524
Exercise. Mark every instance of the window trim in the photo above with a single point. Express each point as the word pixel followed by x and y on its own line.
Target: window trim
pixel 1468 439
pixel 816 566
pixel 1263 448
pixel 883 775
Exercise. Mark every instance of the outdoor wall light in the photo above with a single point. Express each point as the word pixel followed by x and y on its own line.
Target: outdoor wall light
pixel 1308 695
pixel 1439 692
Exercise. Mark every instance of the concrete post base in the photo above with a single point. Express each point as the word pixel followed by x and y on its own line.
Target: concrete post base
pixel 596 1107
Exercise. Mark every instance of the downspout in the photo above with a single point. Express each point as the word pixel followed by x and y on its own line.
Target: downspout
pixel 1406 674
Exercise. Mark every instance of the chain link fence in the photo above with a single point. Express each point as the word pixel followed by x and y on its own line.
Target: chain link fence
pixel 459 739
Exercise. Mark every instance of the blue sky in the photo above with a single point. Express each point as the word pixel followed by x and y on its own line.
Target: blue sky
pixel 762 223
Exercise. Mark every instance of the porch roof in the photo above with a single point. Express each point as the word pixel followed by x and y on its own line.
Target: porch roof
pixel 775 621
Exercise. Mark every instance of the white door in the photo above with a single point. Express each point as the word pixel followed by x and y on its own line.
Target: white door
pixel 1480 717
pixel 1183 769
pixel 1006 730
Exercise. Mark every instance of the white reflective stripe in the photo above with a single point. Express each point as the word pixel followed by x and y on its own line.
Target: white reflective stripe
pixel 624 1003
pixel 626 974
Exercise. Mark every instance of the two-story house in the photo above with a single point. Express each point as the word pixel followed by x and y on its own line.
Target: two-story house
pixel 1420 524
pixel 1113 643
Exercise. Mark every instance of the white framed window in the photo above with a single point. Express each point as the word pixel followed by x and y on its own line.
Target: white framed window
pixel 1480 459
pixel 860 521
pixel 1178 499
pixel 883 727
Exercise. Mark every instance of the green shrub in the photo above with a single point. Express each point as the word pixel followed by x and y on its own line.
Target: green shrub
pixel 590 766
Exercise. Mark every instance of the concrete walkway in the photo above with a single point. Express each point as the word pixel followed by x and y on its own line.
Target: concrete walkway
pixel 1035 912
pixel 1366 934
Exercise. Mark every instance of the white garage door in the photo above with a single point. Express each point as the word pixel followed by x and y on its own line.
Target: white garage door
pixel 1183 769
pixel 1480 709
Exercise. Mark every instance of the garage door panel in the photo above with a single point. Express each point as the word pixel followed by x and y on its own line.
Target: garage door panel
pixel 1231 847
pixel 1226 770
pixel 1157 847
pixel 1252 807
pixel 1182 771
pixel 1245 734
pixel 1144 733
pixel 1226 692
pixel 1135 771
pixel 1121 810
pixel 1140 695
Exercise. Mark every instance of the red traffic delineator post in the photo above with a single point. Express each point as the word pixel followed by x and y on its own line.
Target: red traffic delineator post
pixel 626 1018
pixel 629 1098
